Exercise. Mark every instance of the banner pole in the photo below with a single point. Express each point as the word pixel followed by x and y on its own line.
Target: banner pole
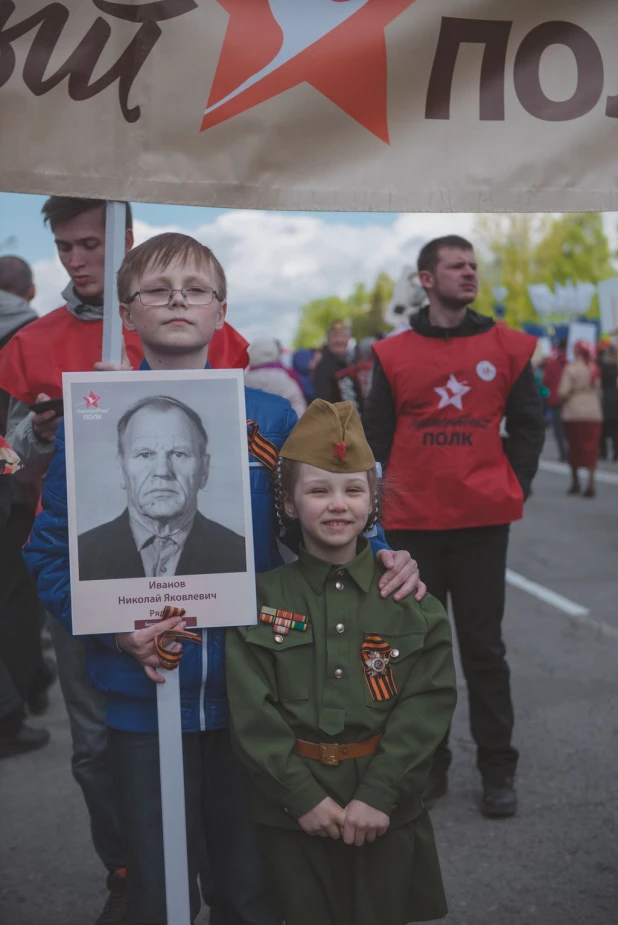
pixel 115 235
pixel 173 800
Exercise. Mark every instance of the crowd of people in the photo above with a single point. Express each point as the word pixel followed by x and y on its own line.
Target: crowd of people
pixel 315 741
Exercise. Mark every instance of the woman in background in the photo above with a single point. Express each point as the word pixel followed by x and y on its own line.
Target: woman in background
pixel 582 416
pixel 267 372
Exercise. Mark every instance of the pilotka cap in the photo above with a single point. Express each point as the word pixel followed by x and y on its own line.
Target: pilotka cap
pixel 330 437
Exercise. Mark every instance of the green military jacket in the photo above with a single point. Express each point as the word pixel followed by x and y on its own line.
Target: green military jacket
pixel 312 685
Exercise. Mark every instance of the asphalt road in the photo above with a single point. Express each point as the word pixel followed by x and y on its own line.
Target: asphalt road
pixel 554 864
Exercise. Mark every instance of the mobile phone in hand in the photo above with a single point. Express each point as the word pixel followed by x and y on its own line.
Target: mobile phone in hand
pixel 52 404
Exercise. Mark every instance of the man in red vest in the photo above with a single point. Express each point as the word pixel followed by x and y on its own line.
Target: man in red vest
pixel 440 391
pixel 69 339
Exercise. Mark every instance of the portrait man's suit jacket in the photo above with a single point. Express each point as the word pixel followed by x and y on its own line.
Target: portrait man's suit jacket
pixel 109 551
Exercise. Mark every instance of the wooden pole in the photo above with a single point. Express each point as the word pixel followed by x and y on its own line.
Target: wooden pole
pixel 173 800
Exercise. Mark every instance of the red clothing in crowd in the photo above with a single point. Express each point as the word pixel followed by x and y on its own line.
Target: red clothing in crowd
pixel 552 374
pixel 34 359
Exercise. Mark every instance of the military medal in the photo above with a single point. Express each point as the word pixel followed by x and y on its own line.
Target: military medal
pixel 376 663
pixel 376 660
pixel 283 621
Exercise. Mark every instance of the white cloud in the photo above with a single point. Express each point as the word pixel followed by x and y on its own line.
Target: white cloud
pixel 277 262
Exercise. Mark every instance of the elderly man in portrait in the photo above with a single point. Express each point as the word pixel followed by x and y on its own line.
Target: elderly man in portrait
pixel 162 450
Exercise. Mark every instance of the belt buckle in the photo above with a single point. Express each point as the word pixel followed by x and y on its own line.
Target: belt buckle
pixel 329 754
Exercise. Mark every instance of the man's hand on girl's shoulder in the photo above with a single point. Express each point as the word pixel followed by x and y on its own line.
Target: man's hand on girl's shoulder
pixel 401 577
pixel 363 823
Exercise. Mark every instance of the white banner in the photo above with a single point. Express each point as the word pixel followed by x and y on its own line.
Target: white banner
pixel 394 105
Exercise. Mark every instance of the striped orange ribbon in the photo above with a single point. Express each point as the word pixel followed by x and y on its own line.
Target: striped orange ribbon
pixel 375 658
pixel 283 621
pixel 167 659
pixel 261 448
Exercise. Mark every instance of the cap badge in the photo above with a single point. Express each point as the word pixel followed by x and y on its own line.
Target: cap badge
pixel 340 450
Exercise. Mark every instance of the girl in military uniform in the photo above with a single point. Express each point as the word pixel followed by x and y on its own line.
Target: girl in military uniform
pixel 338 700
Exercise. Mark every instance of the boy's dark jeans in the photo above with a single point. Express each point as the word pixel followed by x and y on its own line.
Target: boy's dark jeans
pixel 217 800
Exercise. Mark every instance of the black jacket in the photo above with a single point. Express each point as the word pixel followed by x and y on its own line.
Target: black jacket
pixel 525 423
pixel 109 551
pixel 609 375
pixel 324 380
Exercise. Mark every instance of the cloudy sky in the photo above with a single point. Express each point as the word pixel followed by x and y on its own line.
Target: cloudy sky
pixel 275 261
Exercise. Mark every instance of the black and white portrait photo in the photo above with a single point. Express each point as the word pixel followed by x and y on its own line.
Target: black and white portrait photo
pixel 163 463
pixel 159 480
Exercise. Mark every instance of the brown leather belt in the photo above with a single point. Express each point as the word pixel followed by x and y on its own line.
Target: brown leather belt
pixel 331 754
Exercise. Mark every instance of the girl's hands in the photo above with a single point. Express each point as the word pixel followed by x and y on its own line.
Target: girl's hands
pixel 357 823
pixel 363 823
pixel 326 820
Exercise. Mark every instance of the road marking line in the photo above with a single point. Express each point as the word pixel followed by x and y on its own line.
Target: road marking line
pixel 545 594
pixel 562 469
pixel 579 614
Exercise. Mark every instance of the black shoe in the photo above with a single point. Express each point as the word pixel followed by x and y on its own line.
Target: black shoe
pixel 115 910
pixel 26 739
pixel 590 493
pixel 499 799
pixel 437 786
pixel 574 490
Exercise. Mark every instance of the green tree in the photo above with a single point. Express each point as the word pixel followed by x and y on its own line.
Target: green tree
pixel 315 318
pixel 364 309
pixel 506 248
pixel 575 247
pixel 517 250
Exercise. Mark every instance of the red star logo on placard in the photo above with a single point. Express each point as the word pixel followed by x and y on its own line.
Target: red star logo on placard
pixel 337 46
pixel 92 400
pixel 340 450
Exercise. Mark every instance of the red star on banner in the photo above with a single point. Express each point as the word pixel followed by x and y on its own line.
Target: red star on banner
pixel 340 450
pixel 92 400
pixel 337 46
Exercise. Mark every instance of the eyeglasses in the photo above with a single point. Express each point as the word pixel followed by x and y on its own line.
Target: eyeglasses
pixel 159 297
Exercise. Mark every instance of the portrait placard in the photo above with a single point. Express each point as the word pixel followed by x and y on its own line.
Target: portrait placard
pixel 158 498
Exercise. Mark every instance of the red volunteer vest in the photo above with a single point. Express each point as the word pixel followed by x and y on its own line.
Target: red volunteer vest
pixel 35 358
pixel 447 467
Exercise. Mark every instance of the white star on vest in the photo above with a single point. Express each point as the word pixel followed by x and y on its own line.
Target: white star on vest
pixel 452 393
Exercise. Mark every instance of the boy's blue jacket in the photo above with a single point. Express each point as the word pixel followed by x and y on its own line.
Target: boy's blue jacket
pixel 131 696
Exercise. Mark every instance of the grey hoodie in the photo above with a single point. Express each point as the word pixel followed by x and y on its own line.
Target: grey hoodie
pixel 15 312
pixel 34 453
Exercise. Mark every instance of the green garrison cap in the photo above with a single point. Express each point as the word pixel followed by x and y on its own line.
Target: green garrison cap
pixel 330 437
